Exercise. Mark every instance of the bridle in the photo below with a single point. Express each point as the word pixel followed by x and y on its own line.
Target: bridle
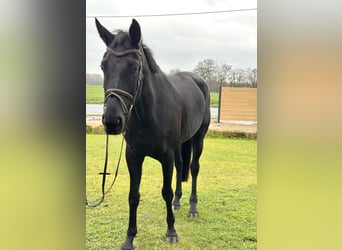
pixel 119 93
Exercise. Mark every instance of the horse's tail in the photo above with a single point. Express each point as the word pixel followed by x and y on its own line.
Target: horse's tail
pixel 186 156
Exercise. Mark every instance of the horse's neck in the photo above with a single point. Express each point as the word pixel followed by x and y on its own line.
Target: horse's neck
pixel 158 87
pixel 151 94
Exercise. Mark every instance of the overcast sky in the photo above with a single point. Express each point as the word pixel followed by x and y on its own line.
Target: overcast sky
pixel 180 41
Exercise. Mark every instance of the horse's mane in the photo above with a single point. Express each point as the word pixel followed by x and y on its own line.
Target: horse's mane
pixel 122 36
pixel 150 60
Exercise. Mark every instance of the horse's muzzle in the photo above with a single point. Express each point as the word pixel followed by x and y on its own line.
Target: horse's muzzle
pixel 113 125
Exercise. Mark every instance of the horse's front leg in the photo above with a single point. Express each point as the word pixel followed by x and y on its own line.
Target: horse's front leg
pixel 134 163
pixel 167 163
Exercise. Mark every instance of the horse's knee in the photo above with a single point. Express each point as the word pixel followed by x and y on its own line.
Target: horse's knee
pixel 167 194
pixel 194 169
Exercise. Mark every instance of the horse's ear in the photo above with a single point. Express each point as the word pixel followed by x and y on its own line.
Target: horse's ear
pixel 135 32
pixel 106 36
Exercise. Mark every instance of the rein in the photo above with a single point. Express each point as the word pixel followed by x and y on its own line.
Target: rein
pixel 118 93
pixel 104 174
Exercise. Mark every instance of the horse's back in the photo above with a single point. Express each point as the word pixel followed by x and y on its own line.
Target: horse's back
pixel 184 80
pixel 195 96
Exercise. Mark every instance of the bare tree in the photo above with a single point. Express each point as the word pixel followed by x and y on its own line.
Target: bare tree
pixel 175 70
pixel 214 73
pixel 222 71
pixel 206 69
pixel 94 79
pixel 237 77
pixel 252 75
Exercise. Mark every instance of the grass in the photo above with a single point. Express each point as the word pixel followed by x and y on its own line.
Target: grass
pixel 227 199
pixel 94 95
pixel 214 99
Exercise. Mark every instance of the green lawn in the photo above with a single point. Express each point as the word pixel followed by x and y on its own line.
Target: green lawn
pixel 227 189
pixel 94 94
pixel 214 99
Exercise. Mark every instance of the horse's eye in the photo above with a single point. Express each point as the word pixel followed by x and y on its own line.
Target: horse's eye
pixel 135 68
pixel 103 65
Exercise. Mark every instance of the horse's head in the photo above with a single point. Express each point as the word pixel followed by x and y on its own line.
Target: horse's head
pixel 122 69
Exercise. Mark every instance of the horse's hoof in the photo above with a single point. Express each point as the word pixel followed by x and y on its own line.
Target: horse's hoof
pixel 193 215
pixel 123 247
pixel 171 239
pixel 171 236
pixel 176 207
pixel 128 245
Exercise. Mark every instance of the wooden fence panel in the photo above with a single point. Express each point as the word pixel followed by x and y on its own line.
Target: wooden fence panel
pixel 238 104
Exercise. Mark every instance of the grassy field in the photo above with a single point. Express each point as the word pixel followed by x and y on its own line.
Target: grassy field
pixel 227 188
pixel 94 94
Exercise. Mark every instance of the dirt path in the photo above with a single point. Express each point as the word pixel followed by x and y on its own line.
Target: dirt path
pixel 234 126
pixel 249 127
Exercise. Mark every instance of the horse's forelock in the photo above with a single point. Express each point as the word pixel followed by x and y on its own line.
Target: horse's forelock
pixel 121 37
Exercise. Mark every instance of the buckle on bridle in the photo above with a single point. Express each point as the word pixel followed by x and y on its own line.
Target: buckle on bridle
pixel 104 173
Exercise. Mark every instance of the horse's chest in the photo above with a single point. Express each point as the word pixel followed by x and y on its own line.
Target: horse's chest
pixel 148 143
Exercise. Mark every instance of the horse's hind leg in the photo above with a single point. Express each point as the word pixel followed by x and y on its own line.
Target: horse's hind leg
pixel 179 168
pixel 182 162
pixel 197 144
pixel 167 164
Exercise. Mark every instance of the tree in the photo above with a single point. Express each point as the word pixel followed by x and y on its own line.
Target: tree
pixel 252 76
pixel 222 71
pixel 214 73
pixel 94 79
pixel 175 70
pixel 237 78
pixel 206 69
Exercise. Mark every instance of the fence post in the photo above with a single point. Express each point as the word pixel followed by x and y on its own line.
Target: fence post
pixel 219 105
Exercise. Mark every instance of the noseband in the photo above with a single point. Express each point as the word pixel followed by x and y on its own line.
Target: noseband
pixel 119 93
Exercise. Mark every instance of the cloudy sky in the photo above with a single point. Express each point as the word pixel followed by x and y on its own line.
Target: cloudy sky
pixel 179 41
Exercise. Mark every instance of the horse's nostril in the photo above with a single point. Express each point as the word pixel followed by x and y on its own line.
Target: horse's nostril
pixel 113 125
pixel 118 122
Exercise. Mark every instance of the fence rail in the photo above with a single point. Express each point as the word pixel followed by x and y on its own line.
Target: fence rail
pixel 238 104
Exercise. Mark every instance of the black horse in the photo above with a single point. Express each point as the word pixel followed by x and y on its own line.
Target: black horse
pixel 161 116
